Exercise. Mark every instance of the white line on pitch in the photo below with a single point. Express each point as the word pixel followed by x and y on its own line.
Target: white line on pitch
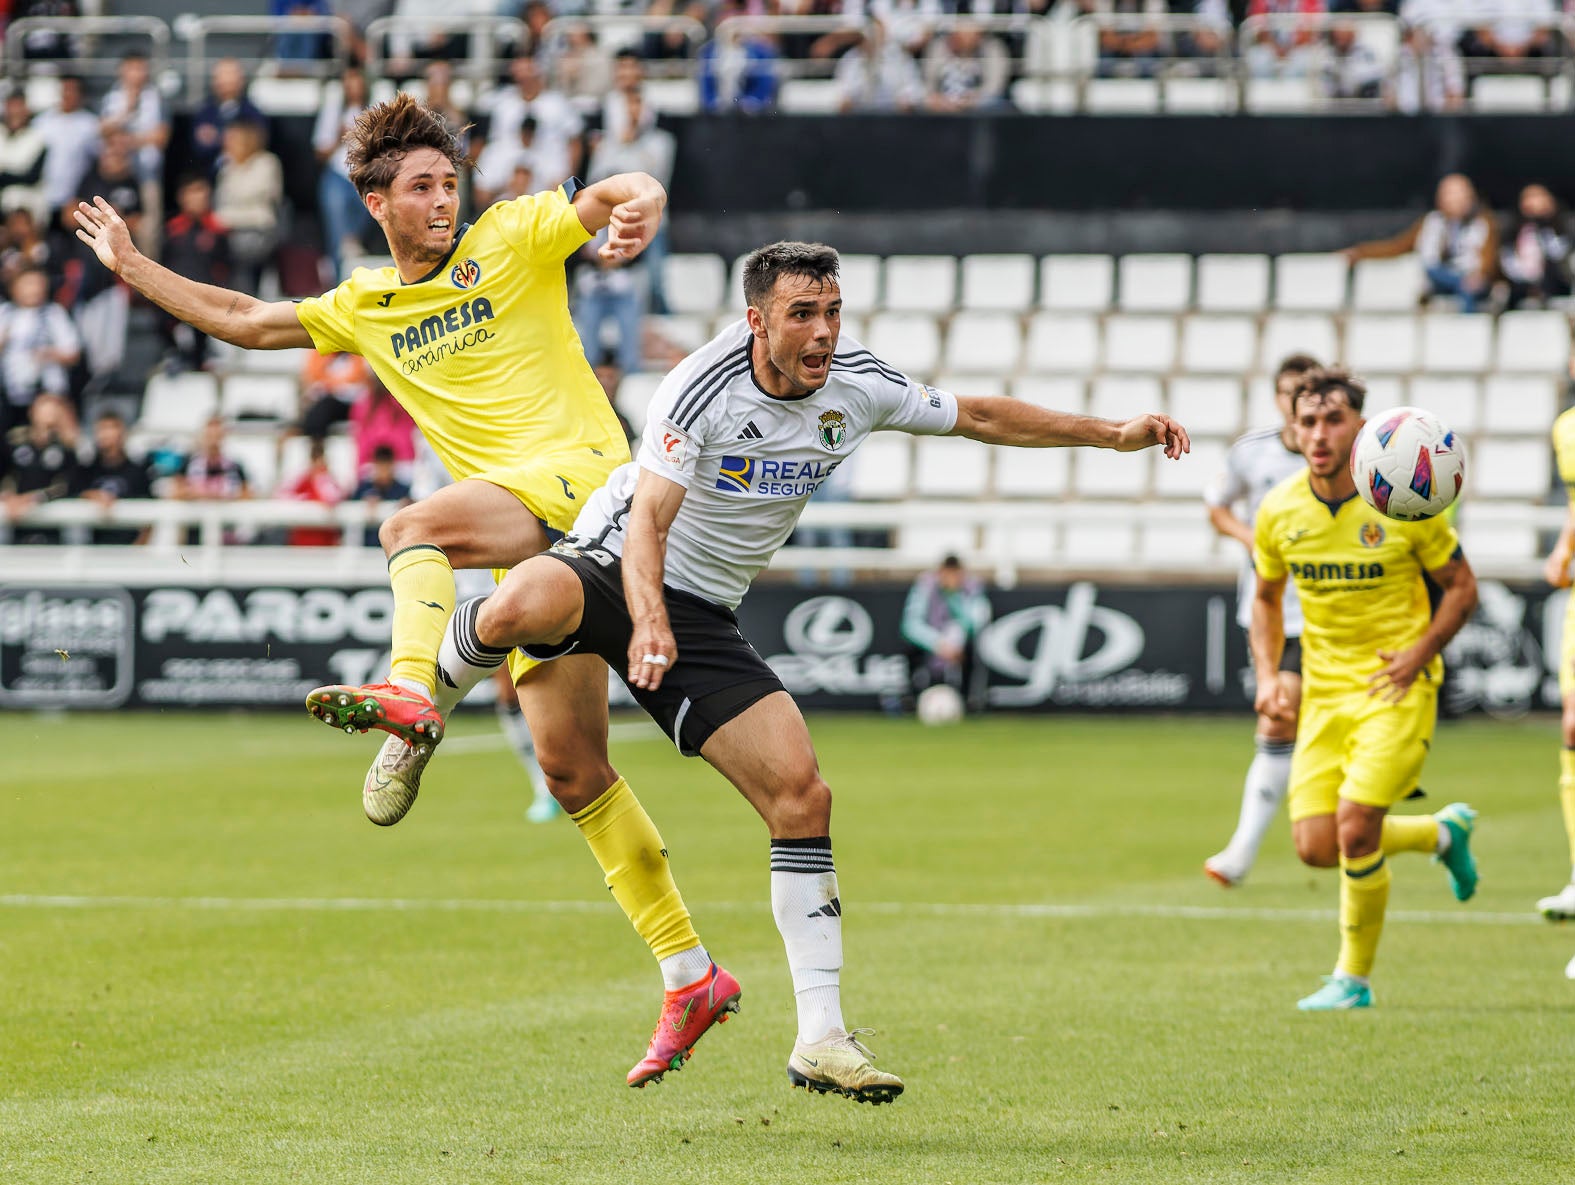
pixel 1207 913
pixel 634 730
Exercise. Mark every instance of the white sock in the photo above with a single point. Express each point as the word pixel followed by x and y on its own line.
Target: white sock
pixel 1261 796
pixel 512 721
pixel 1444 839
pixel 1364 980
pixel 462 660
pixel 808 912
pixel 415 686
pixel 684 968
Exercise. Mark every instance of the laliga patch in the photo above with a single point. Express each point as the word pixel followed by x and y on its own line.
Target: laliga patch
pixel 674 446
pixel 931 394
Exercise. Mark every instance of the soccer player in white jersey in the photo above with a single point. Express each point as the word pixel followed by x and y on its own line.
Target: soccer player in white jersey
pixel 739 436
pixel 1256 463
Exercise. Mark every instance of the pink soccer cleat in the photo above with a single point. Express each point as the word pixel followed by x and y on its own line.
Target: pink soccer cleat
pixel 412 718
pixel 686 1015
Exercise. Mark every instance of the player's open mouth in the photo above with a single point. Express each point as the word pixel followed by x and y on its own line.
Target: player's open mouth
pixel 816 363
pixel 439 224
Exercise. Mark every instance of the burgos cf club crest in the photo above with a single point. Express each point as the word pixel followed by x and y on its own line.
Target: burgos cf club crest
pixel 465 274
pixel 1371 534
pixel 833 430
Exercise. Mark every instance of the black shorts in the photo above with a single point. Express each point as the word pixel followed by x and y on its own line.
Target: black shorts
pixel 1291 657
pixel 718 674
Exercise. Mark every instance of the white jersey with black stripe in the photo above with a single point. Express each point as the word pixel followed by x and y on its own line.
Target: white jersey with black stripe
pixel 1257 462
pixel 749 461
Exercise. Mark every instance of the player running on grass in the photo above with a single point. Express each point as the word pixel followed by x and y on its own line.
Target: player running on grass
pixel 739 436
pixel 1370 669
pixel 1560 907
pixel 470 330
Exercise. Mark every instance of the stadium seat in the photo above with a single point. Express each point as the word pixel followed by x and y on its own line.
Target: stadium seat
pixel 340 452
pixel 854 325
pixel 1105 473
pixel 272 361
pixel 1455 401
pixel 1387 285
pixel 634 396
pixel 285 96
pixel 1296 333
pixel 1199 96
pixel 1090 545
pixel 1121 96
pixel 178 403
pixel 1176 545
pixel 1521 403
pixel 1187 477
pixel 1043 96
pixel 951 467
pixel 1510 468
pixel 809 96
pixel 260 397
pixel 688 333
pixel 1060 343
pixel 1233 283
pixel 860 280
pixel 1155 283
pixel 694 283
pixel 991 343
pixel 1500 543
pixel 42 92
pixel 1032 472
pixel 734 297
pixel 1029 544
pixel 671 96
pixel 1140 343
pixel 1533 341
pixel 1076 283
pixel 882 468
pixel 1310 283
pixel 1125 397
pixel 1282 96
pixel 1218 345
pixel 259 458
pixel 1377 344
pixel 1454 343
pixel 909 341
pixel 998 282
pixel 1056 394
pixel 992 385
pixel 1509 93
pixel 926 545
pixel 1206 406
pixel 921 283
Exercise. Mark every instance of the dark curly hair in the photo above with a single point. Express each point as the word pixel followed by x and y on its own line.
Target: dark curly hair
pixel 386 133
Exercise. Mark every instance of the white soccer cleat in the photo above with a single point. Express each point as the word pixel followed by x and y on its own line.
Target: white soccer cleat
pixel 1569 971
pixel 1561 906
pixel 1224 871
pixel 393 781
pixel 840 1064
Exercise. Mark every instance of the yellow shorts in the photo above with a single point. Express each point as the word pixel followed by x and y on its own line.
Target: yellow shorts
pixel 1357 747
pixel 1567 652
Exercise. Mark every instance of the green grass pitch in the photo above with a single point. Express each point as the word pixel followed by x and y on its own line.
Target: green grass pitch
pixel 213 969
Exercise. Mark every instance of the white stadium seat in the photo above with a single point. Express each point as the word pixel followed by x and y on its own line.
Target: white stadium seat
pixel 809 96
pixel 1377 344
pixel 1218 345
pixel 734 297
pixel 1121 96
pixel 991 343
pixel 1500 543
pixel 687 332
pixel 1199 96
pixel 1270 96
pixel 694 283
pixel 1233 283
pixel 272 361
pixel 1123 398
pixel 853 325
pixel 1533 341
pixel 1457 402
pixel 1056 394
pixel 671 96
pixel 1384 391
pixel 1296 333
pixel 1387 285
pixel 909 341
pixel 1032 472
pixel 992 385
pixel 926 545
pixel 883 467
pixel 178 403
pixel 1140 343
pixel 1174 545
pixel 998 282
pixel 1155 283
pixel 860 280
pixel 1060 343
pixel 1206 405
pixel 1455 343
pixel 951 467
pixel 1262 410
pixel 1186 478
pixel 1511 468
pixel 1310 283
pixel 1076 283
pixel 1521 403
pixel 1029 544
pixel 294 457
pixel 1105 473
pixel 258 457
pixel 921 283
pixel 1509 93
pixel 285 96
pixel 634 396
pixel 260 397
pixel 1093 545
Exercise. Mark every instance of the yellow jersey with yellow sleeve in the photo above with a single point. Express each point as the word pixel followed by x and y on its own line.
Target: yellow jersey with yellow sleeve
pixel 482 353
pixel 1359 576
pixel 1564 455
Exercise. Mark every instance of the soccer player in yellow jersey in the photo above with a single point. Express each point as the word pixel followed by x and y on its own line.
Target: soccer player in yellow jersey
pixel 1561 906
pixel 470 330
pixel 1370 673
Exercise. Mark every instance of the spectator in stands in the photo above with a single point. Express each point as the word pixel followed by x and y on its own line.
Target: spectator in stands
pixel 135 107
pixel 248 199
pixel 71 133
pixel 110 474
pixel 1516 29
pixel 1372 7
pixel 1535 259
pixel 965 70
pixel 610 375
pixel 359 14
pixel 344 214
pixel 671 43
pixel 23 245
pixel 738 73
pixel 293 46
pixel 1287 47
pixel 45 44
pixel 608 290
pixel 1350 68
pixel 1457 242
pixel 557 148
pixel 941 620
pixel 1131 44
pixel 1211 37
pixel 581 70
pixel 316 484
pixel 877 75
pixel 1429 75
pixel 522 180
pixel 440 98
pixel 378 421
pixel 382 490
pixel 908 23
pixel 628 78
pixel 22 151
pixel 98 301
pixel 38 345
pixel 210 474
pixel 331 384
pixel 639 147
pixel 197 246
pixel 39 466
pixel 405 47
pixel 537 14
pixel 226 104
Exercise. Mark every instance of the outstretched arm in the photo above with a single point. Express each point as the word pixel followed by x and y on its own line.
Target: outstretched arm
pixel 233 317
pixel 631 204
pixel 656 503
pixel 1001 420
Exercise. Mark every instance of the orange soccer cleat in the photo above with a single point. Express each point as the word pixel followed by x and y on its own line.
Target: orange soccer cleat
pixel 686 1015
pixel 407 715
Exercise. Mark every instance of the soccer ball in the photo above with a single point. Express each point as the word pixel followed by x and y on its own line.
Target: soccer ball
pixel 940 704
pixel 1407 465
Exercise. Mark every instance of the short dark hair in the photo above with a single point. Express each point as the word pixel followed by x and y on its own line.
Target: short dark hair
pixel 951 561
pixel 1325 381
pixel 764 265
pixel 383 452
pixel 385 133
pixel 110 413
pixel 1295 364
pixel 629 52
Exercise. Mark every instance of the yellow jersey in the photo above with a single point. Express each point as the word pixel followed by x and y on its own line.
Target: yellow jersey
pixel 481 351
pixel 1359 577
pixel 1564 448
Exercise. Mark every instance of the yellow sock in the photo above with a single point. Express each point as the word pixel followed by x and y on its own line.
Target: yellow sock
pixel 1567 795
pixel 1409 833
pixel 1364 895
pixel 626 844
pixel 423 602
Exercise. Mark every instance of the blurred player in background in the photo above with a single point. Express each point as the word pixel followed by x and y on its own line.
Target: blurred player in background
pixel 1256 463
pixel 1371 671
pixel 1561 906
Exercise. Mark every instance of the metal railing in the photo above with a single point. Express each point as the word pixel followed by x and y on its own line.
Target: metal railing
pixel 90 34
pixel 267 29
pixel 389 42
pixel 614 28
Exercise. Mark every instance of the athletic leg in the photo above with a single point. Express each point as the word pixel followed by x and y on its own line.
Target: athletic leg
pixel 1561 905
pixel 1264 790
pixel 543 807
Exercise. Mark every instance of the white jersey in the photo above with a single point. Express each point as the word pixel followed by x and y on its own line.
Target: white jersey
pixel 749 461
pixel 1256 463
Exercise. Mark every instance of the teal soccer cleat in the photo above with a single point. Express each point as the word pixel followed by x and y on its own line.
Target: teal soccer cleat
pixel 1338 993
pixel 1458 860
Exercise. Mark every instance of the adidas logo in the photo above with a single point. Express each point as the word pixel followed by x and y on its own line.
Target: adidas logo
pixel 750 432
pixel 832 909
